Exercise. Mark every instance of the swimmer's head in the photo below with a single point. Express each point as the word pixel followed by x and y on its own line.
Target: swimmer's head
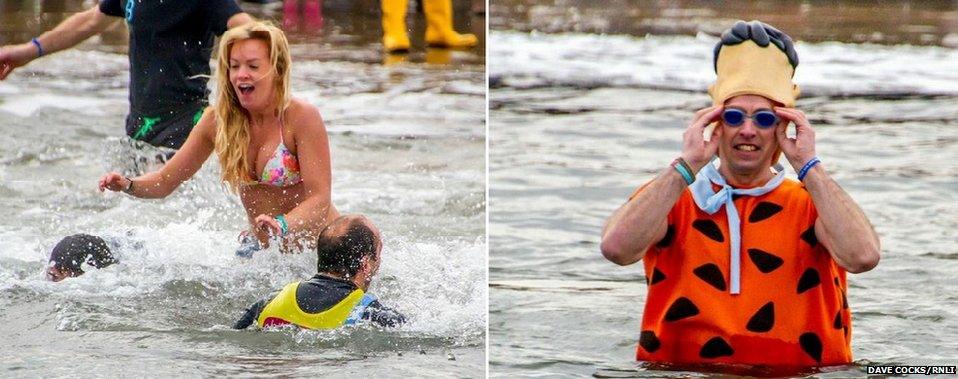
pixel 69 255
pixel 350 246
pixel 252 75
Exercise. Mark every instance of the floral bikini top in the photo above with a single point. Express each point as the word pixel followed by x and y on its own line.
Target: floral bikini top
pixel 282 169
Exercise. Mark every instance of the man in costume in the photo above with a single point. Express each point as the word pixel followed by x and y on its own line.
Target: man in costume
pixel 745 266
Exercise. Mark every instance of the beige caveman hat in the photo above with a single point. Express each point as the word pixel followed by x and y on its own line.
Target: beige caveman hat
pixel 747 68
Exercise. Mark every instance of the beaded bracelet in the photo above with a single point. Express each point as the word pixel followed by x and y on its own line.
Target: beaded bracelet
pixel 283 226
pixel 807 167
pixel 39 47
pixel 684 169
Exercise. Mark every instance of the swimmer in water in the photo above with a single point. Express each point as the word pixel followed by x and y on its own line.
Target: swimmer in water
pixel 273 149
pixel 71 252
pixel 349 256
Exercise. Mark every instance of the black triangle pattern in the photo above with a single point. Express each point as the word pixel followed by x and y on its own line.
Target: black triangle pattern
pixel 763 211
pixel 711 274
pixel 763 320
pixel 710 229
pixel 809 280
pixel 657 276
pixel 809 236
pixel 716 347
pixel 667 240
pixel 649 341
pixel 812 345
pixel 681 308
pixel 766 262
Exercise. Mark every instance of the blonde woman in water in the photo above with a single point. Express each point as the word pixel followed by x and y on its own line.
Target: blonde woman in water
pixel 272 148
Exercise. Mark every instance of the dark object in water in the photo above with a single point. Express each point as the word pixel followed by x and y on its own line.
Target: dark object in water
pixel 72 251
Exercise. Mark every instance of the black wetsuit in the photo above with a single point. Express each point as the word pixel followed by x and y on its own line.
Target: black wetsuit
pixel 170 44
pixel 320 293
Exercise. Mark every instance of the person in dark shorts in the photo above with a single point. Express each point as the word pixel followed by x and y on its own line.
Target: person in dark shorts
pixel 170 46
pixel 349 251
pixel 71 252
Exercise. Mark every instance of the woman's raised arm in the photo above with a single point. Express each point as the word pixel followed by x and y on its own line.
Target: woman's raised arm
pixel 185 163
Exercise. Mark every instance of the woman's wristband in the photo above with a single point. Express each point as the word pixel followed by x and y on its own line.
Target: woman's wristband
pixel 283 226
pixel 129 187
pixel 807 167
pixel 36 42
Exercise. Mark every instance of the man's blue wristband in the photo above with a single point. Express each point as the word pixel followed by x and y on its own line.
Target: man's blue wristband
pixel 284 227
pixel 807 167
pixel 39 47
pixel 680 166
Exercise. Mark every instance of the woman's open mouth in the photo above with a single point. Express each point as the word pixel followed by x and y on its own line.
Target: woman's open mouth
pixel 245 88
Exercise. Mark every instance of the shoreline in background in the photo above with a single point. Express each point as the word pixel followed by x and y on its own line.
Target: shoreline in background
pixel 933 23
pixel 342 30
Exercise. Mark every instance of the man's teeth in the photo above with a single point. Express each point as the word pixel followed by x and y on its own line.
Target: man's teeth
pixel 746 147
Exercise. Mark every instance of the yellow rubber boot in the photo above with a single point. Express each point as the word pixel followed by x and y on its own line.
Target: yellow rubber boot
pixel 395 38
pixel 439 26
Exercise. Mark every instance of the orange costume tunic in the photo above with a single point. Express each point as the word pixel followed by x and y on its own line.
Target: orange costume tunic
pixel 792 309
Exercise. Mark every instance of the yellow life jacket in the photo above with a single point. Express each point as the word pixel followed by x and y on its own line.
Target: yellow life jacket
pixel 284 310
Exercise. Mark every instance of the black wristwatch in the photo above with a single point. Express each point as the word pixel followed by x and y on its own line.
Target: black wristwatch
pixel 129 189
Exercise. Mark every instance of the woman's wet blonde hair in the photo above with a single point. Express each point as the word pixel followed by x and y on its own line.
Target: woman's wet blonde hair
pixel 232 120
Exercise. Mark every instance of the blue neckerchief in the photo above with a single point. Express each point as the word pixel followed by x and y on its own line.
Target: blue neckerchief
pixel 710 202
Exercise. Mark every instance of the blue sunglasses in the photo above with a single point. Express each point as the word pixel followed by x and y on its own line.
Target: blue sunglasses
pixel 764 118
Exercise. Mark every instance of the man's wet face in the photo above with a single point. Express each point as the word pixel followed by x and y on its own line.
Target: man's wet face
pixel 747 148
pixel 57 274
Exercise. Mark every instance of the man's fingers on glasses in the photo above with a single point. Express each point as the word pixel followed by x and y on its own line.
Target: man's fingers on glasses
pixel 785 115
pixel 716 113
pixel 788 112
pixel 702 111
pixel 701 114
